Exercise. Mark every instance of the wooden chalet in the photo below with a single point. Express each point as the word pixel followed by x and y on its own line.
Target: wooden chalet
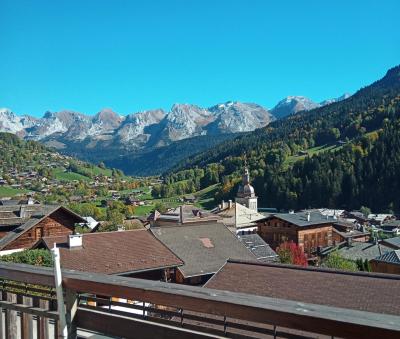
pixel 309 230
pixel 23 226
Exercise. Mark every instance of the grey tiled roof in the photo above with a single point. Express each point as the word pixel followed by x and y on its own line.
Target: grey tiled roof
pixel 393 242
pixel 363 250
pixel 204 249
pixel 300 218
pixel 390 257
pixel 258 247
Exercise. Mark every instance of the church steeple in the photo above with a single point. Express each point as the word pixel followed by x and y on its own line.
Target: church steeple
pixel 246 195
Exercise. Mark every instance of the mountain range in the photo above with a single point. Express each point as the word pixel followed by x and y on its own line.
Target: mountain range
pixel 113 138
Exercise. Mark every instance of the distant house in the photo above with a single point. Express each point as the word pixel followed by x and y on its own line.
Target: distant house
pixel 204 249
pixel 391 227
pixel 379 219
pixel 357 216
pixel 344 231
pixel 21 227
pixel 387 263
pixel 190 198
pixel 309 230
pixel 182 215
pixel 393 243
pixel 135 253
pixel 363 250
pixel 363 291
pixel 262 251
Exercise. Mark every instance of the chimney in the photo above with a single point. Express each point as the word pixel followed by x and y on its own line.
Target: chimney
pixel 22 212
pixel 223 204
pixel 30 201
pixel 75 240
pixel 181 214
pixel 230 204
pixel 308 216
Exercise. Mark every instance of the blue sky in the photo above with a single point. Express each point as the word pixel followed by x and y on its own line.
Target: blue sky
pixel 137 55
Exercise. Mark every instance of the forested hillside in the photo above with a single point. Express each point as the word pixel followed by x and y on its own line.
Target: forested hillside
pixel 356 162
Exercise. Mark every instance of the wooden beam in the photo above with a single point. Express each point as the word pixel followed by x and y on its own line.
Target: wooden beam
pixel 123 326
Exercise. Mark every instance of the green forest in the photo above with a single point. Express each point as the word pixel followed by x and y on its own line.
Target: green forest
pixel 344 155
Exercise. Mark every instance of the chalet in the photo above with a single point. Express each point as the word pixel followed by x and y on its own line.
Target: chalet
pixel 182 215
pixel 379 219
pixel 22 226
pixel 363 291
pixel 392 227
pixel 135 253
pixel 387 263
pixel 357 217
pixel 204 249
pixel 344 231
pixel 309 230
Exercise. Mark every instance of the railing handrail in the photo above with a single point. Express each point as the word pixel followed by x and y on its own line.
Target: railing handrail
pixel 287 313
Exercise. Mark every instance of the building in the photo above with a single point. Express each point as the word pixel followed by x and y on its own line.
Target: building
pixel 204 249
pixel 261 250
pixel 387 263
pixel 363 250
pixel 348 232
pixel 22 226
pixel 238 218
pixel 392 227
pixel 246 195
pixel 363 291
pixel 135 253
pixel 182 215
pixel 393 243
pixel 309 230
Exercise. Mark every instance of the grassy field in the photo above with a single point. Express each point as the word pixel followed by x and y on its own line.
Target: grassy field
pixel 311 151
pixel 69 176
pixel 6 191
pixel 205 197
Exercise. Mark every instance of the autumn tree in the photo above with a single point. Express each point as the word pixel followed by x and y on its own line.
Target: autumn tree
pixel 291 253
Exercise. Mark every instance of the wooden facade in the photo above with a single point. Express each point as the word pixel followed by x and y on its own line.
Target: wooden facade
pixel 275 231
pixel 59 223
pixel 384 267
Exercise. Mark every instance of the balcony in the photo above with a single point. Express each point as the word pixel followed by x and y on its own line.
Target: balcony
pixel 135 308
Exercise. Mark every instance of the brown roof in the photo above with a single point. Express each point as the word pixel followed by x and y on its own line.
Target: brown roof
pixel 372 292
pixel 115 252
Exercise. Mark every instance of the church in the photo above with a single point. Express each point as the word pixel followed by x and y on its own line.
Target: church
pixel 246 195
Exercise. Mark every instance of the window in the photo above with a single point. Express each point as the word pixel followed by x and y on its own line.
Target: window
pixel 39 232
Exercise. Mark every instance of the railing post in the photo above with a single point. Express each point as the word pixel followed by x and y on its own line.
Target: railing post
pixel 26 319
pixel 62 326
pixel 11 318
pixel 71 303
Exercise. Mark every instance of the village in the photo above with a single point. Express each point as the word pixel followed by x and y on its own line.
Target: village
pixel 212 248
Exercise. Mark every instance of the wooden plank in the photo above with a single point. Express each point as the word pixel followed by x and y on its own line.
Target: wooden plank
pixel 26 320
pixel 11 318
pixel 37 311
pixel 71 303
pixel 115 325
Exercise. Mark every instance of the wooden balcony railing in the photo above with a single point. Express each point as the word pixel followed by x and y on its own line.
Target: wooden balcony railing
pixel 135 308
